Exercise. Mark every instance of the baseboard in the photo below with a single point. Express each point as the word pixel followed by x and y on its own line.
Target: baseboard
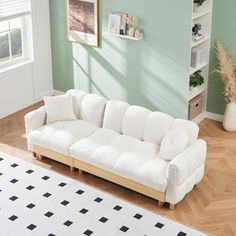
pixel 40 97
pixel 16 108
pixel 25 104
pixel 58 92
pixel 214 116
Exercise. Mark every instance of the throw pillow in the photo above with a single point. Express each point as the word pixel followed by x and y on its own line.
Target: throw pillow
pixel 59 108
pixel 173 143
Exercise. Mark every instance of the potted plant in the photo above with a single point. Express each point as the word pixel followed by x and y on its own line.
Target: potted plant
pixel 196 79
pixel 227 71
pixel 197 5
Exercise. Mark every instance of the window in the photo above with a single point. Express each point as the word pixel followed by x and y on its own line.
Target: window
pixel 15 23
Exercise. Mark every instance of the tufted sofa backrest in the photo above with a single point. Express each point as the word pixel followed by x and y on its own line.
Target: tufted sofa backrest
pixel 134 121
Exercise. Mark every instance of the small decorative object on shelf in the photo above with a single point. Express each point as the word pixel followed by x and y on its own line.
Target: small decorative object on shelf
pixel 197 5
pixel 196 35
pixel 196 80
pixel 124 26
pixel 227 72
pixel 114 23
pixel 196 57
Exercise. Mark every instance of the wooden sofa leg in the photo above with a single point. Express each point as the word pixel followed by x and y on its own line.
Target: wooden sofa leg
pixel 160 203
pixel 171 206
pixel 81 172
pixel 39 157
pixel 72 168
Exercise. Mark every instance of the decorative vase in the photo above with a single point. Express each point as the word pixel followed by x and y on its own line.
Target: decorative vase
pixel 131 32
pixel 196 7
pixel 137 33
pixel 192 88
pixel 229 122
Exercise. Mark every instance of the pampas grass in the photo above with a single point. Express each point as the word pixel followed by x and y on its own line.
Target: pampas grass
pixel 227 72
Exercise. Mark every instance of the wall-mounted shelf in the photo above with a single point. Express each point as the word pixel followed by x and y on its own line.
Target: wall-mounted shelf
pixel 194 44
pixel 125 36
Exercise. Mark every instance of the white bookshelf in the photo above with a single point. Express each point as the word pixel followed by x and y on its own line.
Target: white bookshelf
pixel 203 17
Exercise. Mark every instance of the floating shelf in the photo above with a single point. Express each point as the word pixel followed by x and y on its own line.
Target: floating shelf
pixel 200 14
pixel 125 36
pixel 194 93
pixel 194 44
pixel 201 66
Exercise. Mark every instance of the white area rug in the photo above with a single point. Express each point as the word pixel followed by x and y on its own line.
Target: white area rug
pixel 36 201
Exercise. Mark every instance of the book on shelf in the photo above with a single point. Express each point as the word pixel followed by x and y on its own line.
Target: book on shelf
pixel 123 25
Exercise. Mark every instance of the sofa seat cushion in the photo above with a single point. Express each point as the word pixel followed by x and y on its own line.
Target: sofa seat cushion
pixel 124 156
pixel 84 148
pixel 59 136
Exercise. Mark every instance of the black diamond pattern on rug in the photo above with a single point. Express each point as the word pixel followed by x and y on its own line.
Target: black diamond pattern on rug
pixel 29 171
pixel 49 214
pixel 47 195
pixel 45 177
pixel 13 198
pixel 62 184
pixel 31 227
pixel 88 232
pixel 30 187
pixel 124 229
pixel 181 234
pixel 117 208
pixel 103 219
pixel 159 225
pixel 64 203
pixel 80 192
pixel 83 211
pixel 68 223
pixel 30 206
pixel 138 216
pixel 13 218
pixel 14 165
pixel 98 199
pixel 14 181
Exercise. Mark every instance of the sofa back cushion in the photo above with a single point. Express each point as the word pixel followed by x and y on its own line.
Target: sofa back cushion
pixel 134 121
pixel 92 108
pixel 77 96
pixel 114 114
pixel 157 126
pixel 191 128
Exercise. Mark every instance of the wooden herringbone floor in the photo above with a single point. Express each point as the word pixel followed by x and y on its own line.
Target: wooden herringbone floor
pixel 210 207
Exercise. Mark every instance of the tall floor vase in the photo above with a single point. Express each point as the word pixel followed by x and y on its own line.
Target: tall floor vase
pixel 229 122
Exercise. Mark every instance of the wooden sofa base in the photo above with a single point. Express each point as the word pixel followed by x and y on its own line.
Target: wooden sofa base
pixel 84 167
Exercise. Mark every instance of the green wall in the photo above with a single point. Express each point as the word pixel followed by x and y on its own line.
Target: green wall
pixel 223 28
pixel 151 72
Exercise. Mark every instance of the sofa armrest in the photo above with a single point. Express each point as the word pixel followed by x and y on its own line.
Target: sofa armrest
pixel 35 119
pixel 184 164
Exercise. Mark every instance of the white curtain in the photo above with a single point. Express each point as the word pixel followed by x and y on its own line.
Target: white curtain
pixel 12 8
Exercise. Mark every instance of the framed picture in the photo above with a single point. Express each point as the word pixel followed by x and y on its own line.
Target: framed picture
pixel 82 21
pixel 114 22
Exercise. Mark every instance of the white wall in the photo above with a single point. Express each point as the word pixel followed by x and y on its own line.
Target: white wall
pixel 27 84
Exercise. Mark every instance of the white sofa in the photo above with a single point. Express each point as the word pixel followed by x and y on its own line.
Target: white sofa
pixel 123 144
